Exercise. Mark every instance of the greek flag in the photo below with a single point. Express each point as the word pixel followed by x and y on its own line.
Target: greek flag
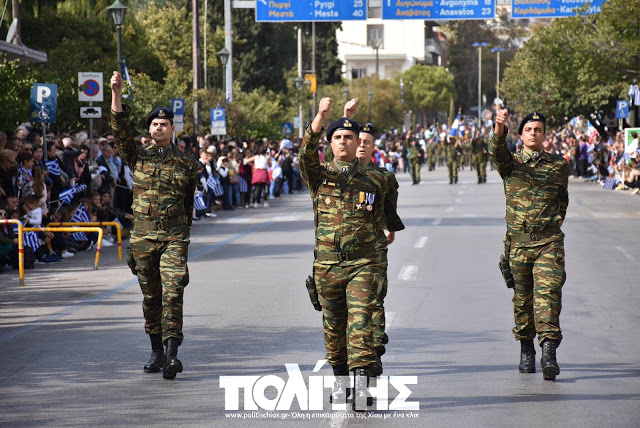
pixel 198 202
pixel 125 74
pixel 54 167
pixel 81 215
pixel 215 186
pixel 67 195
pixel 79 236
pixel 609 183
pixel 244 187
pixel 30 239
pixel 455 127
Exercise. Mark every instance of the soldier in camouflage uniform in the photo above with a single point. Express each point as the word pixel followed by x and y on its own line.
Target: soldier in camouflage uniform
pixel 347 200
pixel 452 153
pixel 479 149
pixel 415 161
pixel 431 155
pixel 392 224
pixel 535 185
pixel 164 182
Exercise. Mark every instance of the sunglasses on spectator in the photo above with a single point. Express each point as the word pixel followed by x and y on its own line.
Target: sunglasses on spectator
pixel 3 213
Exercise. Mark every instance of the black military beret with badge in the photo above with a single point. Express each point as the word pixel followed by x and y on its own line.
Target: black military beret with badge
pixel 343 123
pixel 160 113
pixel 532 117
pixel 368 128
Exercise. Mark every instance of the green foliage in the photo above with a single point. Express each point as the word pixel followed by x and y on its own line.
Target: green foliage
pixel 578 65
pixel 15 87
pixel 428 88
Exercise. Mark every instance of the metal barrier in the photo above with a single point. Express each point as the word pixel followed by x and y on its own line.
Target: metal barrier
pixel 20 247
pixel 73 229
pixel 101 224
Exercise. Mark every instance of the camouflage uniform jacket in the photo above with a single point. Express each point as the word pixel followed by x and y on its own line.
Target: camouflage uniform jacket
pixel 163 184
pixel 348 210
pixel 452 151
pixel 431 148
pixel 535 189
pixel 478 148
pixel 414 154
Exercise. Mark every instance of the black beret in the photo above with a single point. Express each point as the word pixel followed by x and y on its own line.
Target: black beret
pixel 369 129
pixel 532 117
pixel 342 123
pixel 162 113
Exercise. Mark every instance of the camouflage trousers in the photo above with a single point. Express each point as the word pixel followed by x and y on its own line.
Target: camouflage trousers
pixel 162 272
pixel 481 168
pixel 538 272
pixel 415 170
pixel 378 319
pixel 432 163
pixel 348 295
pixel 453 168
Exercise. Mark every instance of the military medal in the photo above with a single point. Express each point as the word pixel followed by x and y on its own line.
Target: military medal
pixel 369 207
pixel 327 201
pixel 359 206
pixel 346 170
pixel 370 198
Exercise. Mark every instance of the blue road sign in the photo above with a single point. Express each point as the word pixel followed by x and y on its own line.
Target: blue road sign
pixel 552 8
pixel 622 109
pixel 44 103
pixel 286 128
pixel 177 106
pixel 439 9
pixel 218 121
pixel 310 10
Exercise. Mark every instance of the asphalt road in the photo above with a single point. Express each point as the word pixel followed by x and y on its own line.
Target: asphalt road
pixel 73 345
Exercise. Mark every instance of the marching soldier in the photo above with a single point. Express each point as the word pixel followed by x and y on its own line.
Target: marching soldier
pixel 392 224
pixel 164 182
pixel 431 155
pixel 415 161
pixel 479 150
pixel 347 200
pixel 452 153
pixel 535 186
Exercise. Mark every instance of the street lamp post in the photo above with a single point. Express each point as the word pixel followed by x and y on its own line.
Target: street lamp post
pixel 224 58
pixel 345 91
pixel 299 81
pixel 498 71
pixel 480 46
pixel 370 96
pixel 376 43
pixel 118 11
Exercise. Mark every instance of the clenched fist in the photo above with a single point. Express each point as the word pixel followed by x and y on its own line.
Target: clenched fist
pixel 324 106
pixel 350 108
pixel 116 83
pixel 501 118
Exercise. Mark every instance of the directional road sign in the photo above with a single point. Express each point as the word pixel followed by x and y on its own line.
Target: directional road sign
pixel 622 109
pixel 286 128
pixel 90 87
pixel 177 107
pixel 552 8
pixel 218 121
pixel 439 9
pixel 44 103
pixel 90 112
pixel 310 10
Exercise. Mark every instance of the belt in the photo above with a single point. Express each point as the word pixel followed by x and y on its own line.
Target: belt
pixel 535 236
pixel 148 225
pixel 339 256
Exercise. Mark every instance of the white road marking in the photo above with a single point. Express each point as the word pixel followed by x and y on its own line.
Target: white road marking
pixel 236 220
pixel 408 273
pixel 451 208
pixel 390 317
pixel 461 192
pixel 626 254
pixel 458 200
pixel 420 243
pixel 437 221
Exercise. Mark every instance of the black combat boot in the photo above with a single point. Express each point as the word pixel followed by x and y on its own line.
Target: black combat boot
pixel 451 180
pixel 527 356
pixel 377 366
pixel 361 397
pixel 341 390
pixel 157 355
pixel 550 368
pixel 455 180
pixel 479 180
pixel 172 364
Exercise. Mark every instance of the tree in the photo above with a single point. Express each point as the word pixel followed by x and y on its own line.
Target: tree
pixel 577 66
pixel 428 89
pixel 15 87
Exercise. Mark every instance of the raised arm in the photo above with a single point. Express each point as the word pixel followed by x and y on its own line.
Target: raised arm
pixel 122 130
pixel 498 145
pixel 309 160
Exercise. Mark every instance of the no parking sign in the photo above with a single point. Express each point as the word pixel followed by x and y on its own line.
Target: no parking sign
pixel 90 87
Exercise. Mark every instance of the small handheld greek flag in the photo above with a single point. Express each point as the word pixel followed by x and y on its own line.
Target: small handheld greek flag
pixel 81 215
pixel 67 195
pixel 244 187
pixel 455 127
pixel 198 202
pixel 54 167
pixel 79 236
pixel 215 186
pixel 30 239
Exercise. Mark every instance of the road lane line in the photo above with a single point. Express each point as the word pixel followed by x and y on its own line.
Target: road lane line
pixel 437 221
pixel 451 208
pixel 420 243
pixel 408 273
pixel 626 254
pixel 458 200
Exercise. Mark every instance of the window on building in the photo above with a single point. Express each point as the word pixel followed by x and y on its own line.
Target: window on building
pixel 374 9
pixel 375 32
pixel 358 73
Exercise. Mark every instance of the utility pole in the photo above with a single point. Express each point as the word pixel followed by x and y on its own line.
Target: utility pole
pixel 228 32
pixel 313 67
pixel 196 65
